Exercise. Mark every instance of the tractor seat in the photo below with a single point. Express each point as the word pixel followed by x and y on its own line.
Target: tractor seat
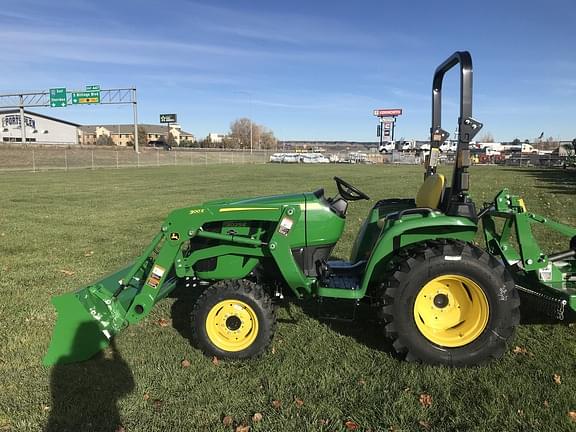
pixel 431 191
pixel 429 195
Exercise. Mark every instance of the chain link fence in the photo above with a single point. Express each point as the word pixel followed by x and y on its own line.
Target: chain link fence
pixel 42 158
pixel 17 157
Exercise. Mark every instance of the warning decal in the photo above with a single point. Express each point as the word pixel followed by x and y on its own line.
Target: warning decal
pixel 155 276
pixel 285 226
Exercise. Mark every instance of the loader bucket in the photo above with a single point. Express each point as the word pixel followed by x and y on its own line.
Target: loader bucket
pixel 87 320
pixel 76 336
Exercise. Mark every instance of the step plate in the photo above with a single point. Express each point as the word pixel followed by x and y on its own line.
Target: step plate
pixel 343 282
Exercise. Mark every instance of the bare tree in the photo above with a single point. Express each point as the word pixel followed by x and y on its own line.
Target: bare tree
pixel 142 136
pixel 105 140
pixel 268 140
pixel 240 133
pixel 550 143
pixel 246 134
pixel 206 142
pixel 487 138
pixel 170 140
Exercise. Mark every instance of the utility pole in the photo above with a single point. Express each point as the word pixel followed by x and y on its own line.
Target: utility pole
pixel 135 108
pixel 22 120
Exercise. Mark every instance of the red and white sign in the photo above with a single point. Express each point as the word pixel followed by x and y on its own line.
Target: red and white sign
pixel 388 112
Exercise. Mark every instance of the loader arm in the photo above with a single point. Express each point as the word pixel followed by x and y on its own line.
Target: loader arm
pixel 177 231
pixel 127 296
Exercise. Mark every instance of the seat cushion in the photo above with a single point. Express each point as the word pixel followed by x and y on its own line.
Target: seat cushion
pixel 430 193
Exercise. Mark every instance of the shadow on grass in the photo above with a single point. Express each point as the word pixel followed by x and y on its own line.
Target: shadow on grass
pixel 181 310
pixel 85 395
pixel 358 322
pixel 556 180
pixel 365 328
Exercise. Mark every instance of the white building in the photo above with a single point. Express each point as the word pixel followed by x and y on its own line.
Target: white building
pixel 39 128
pixel 216 138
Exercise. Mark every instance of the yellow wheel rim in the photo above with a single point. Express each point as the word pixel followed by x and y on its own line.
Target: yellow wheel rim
pixel 232 325
pixel 451 311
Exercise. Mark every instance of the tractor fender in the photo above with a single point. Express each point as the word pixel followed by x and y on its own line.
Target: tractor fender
pixel 411 229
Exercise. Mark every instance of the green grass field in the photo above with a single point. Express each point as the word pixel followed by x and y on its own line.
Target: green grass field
pixel 61 230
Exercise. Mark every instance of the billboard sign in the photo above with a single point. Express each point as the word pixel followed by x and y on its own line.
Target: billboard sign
pixel 167 118
pixel 388 112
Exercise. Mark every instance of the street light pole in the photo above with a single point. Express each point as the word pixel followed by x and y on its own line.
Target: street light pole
pixel 251 123
pixel 250 115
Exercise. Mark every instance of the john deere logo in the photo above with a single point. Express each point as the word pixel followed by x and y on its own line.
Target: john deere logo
pixel 174 236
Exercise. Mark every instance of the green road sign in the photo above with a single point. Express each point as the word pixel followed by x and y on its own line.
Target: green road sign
pixel 86 97
pixel 57 97
pixel 92 88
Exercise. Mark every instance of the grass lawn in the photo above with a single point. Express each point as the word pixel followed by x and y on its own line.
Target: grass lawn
pixel 62 230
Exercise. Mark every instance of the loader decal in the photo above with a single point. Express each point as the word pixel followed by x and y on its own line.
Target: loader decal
pixel 285 226
pixel 155 276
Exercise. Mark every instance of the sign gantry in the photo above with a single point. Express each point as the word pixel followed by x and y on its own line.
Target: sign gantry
pixel 61 97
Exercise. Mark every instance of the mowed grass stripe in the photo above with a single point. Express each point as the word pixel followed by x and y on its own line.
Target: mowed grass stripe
pixel 89 223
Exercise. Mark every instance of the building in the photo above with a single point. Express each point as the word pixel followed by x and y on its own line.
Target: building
pixel 565 150
pixel 39 128
pixel 123 134
pixel 216 138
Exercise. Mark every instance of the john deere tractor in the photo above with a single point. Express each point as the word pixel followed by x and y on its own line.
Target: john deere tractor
pixel 443 299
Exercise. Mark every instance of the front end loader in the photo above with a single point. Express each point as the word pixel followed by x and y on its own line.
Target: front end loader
pixel 442 299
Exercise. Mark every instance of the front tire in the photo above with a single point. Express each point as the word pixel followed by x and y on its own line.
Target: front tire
pixel 233 319
pixel 451 303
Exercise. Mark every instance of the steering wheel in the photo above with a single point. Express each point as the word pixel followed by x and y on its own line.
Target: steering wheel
pixel 349 192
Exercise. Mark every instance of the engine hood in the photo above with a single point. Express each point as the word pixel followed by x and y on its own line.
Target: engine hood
pixel 273 201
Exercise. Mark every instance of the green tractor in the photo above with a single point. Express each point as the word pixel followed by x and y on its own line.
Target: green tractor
pixel 443 299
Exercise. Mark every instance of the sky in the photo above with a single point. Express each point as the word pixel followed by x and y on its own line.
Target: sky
pixel 308 70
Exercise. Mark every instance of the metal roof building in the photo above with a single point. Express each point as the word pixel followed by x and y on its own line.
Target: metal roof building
pixel 38 128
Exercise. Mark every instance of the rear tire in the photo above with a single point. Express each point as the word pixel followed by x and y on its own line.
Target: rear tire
pixel 233 319
pixel 450 303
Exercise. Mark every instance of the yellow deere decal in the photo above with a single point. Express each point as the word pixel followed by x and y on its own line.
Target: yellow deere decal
pixel 231 209
pixel 522 204
pixel 313 206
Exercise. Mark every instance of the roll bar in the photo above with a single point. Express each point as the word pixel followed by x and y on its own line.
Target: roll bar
pixel 465 60
pixel 456 198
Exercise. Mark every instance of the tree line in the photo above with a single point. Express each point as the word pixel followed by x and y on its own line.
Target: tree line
pixel 243 134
